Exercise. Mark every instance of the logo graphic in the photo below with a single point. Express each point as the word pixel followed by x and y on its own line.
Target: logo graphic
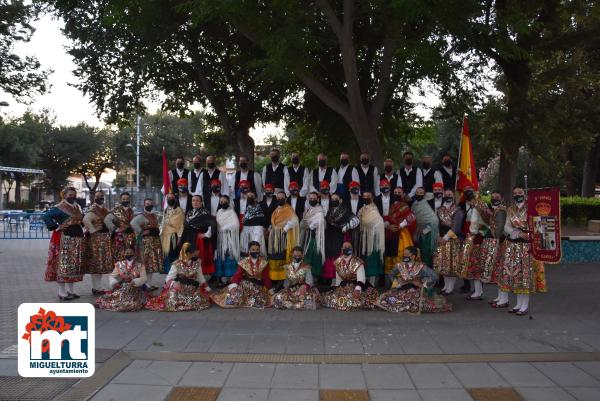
pixel 56 340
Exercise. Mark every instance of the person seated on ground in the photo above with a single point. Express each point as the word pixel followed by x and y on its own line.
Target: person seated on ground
pixel 185 288
pixel 351 291
pixel 298 291
pixel 250 285
pixel 125 284
pixel 412 287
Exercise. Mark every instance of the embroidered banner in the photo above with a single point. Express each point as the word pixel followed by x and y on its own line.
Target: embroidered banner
pixel 543 206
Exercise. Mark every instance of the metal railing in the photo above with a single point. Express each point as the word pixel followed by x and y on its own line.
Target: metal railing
pixel 22 225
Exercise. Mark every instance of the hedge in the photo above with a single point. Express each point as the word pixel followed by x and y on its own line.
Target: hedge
pixel 578 210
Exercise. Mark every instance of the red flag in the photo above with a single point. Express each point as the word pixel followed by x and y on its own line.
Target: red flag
pixel 166 189
pixel 467 174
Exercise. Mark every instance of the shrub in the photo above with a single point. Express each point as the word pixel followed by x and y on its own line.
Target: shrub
pixel 578 210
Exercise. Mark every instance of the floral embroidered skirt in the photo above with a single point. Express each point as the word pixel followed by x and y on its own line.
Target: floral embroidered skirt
pixel 65 258
pixel 98 254
pixel 343 298
pixel 177 297
pixel 488 259
pixel 518 272
pixel 151 254
pixel 122 241
pixel 290 298
pixel 247 295
pixel 471 269
pixel 396 300
pixel 446 260
pixel 127 298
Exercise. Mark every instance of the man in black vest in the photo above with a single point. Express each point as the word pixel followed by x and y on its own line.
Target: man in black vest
pixel 299 174
pixel 184 200
pixel 268 204
pixel 354 202
pixel 178 172
pixel 430 177
pixel 240 203
pixel 275 173
pixel 448 171
pixel 211 173
pixel 295 200
pixel 368 175
pixel 252 177
pixel 195 177
pixel 323 173
pixel 389 174
pixel 345 174
pixel 410 176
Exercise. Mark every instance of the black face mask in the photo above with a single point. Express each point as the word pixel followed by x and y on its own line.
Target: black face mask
pixel 344 162
pixel 388 169
pixel 70 200
pixel 364 162
pixel 294 192
pixel 496 202
pixel 182 189
pixel 210 165
pixel 419 197
pixel 171 202
pixel 322 163
pixel 325 191
pixel 251 201
pixel 297 259
pixel 281 202
pixel 194 258
pixel 148 208
pixel 367 201
pixel 197 166
pixel 180 166
pixel 125 203
pixel 426 165
pixel 408 162
pixel 243 165
pixel 438 195
pixel 385 190
pixel 447 163
pixel 469 195
pixel 347 251
pixel 275 159
pixel 295 160
pixel 313 202
pixel 129 257
pixel 99 201
pixel 254 254
pixel 355 191
pixel 244 190
pixel 396 198
pixel 224 205
pixel 447 199
pixel 406 259
pixel 216 190
pixel 335 203
pixel 519 198
pixel 269 193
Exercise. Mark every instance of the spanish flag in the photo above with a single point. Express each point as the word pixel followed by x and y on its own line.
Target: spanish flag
pixel 467 173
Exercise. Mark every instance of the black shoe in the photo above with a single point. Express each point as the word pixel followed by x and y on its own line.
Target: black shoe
pixel 522 313
pixel 98 292
pixel 69 297
pixel 75 296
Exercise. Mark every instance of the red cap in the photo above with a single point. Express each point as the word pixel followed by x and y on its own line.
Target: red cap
pixel 269 186
pixel 244 183
pixel 438 185
pixel 293 185
pixel 216 181
pixel 384 182
pixel 354 184
pixel 182 182
pixel 324 184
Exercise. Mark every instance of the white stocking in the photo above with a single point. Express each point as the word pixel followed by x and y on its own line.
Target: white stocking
pixel 149 279
pixel 502 297
pixel 372 280
pixel 519 302
pixel 478 288
pixel 97 281
pixel 524 302
pixel 451 283
pixel 61 290
pixel 445 284
pixel 70 289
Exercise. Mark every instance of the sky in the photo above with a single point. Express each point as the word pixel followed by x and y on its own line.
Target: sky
pixel 70 107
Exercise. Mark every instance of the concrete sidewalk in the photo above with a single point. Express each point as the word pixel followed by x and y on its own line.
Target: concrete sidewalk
pixel 554 355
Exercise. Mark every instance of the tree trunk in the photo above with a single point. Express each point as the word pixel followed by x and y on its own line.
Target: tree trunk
pixel 245 144
pixel 590 169
pixel 18 179
pixel 569 170
pixel 369 143
pixel 148 182
pixel 507 172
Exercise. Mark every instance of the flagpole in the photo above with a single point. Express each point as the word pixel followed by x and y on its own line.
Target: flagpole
pixel 462 127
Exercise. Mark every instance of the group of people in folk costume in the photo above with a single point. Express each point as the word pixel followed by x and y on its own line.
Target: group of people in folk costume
pixel 398 241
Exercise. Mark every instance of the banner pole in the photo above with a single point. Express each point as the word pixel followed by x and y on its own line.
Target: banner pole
pixel 530 245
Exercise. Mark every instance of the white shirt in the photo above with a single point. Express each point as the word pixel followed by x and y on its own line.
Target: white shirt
pixel 243 203
pixel 332 184
pixel 222 178
pixel 418 182
pixel 342 171
pixel 325 204
pixel 376 190
pixel 293 202
pixel 197 174
pixel 214 203
pixel 354 205
pixel 437 203
pixel 304 185
pixel 474 218
pixel 385 203
pixel 183 200
pixel 437 177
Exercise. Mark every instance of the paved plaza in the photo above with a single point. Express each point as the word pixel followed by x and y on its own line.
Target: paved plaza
pixel 231 355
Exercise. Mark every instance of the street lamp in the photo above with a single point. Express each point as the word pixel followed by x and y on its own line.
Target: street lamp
pixel 137 152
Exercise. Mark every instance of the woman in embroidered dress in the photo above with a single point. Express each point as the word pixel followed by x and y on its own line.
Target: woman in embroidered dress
pixel 446 259
pixel 298 291
pixel 185 287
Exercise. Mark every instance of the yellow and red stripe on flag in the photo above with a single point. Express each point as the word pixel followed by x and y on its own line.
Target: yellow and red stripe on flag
pixel 467 173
